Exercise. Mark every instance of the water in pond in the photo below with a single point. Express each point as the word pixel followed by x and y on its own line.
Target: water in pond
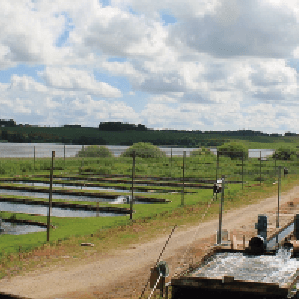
pixel 77 187
pixel 19 229
pixel 119 200
pixel 56 196
pixel 57 212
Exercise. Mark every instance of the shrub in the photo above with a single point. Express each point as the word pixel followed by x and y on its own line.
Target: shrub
pixel 285 153
pixel 234 150
pixel 144 150
pixel 201 152
pixel 95 151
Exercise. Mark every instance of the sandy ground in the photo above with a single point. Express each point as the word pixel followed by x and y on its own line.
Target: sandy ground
pixel 123 273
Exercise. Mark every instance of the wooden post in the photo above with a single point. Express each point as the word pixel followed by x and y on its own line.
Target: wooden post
pixel 132 196
pixel 242 168
pixel 82 160
pixel 279 175
pixel 64 155
pixel 183 191
pixel 34 157
pixel 220 212
pixel 260 168
pixel 50 197
pixel 98 208
pixel 171 156
pixel 275 162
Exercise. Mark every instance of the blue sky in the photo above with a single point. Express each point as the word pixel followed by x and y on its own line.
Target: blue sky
pixel 194 65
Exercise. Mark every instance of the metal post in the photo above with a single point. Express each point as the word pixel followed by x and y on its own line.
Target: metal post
pixel 162 285
pixel 34 157
pixel 275 162
pixel 242 169
pixel 296 226
pixel 220 212
pixel 171 162
pixel 261 168
pixel 132 197
pixel 279 175
pixel 217 166
pixel 183 191
pixel 82 160
pixel 64 154
pixel 50 197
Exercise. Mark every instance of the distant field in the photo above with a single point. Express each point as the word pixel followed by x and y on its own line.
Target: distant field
pixel 179 138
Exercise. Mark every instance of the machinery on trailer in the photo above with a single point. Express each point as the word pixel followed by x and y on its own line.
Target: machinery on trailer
pixel 265 269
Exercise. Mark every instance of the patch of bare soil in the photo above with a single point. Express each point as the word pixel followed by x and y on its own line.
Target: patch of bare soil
pixel 124 273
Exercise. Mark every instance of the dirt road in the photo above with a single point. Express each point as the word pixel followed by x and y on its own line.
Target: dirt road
pixel 123 273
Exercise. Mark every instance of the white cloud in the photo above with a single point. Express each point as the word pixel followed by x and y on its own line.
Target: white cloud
pixel 242 28
pixel 222 65
pixel 78 80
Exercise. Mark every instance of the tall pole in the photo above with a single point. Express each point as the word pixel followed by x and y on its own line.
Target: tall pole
pixel 261 168
pixel 171 162
pixel 34 157
pixel 82 161
pixel 279 182
pixel 132 197
pixel 183 191
pixel 275 162
pixel 64 155
pixel 50 197
pixel 217 166
pixel 242 169
pixel 220 213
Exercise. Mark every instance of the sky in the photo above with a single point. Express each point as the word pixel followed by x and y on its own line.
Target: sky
pixel 167 64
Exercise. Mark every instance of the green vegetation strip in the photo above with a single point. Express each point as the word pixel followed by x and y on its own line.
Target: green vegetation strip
pixel 107 233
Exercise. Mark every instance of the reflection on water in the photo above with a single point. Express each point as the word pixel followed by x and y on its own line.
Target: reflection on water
pixel 19 229
pixel 54 196
pixel 75 187
pixel 57 212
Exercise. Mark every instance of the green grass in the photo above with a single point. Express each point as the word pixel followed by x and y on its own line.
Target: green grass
pixel 148 218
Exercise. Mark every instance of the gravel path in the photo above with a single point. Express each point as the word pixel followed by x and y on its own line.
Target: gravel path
pixel 123 273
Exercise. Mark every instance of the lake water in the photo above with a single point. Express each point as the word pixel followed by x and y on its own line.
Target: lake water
pixel 26 150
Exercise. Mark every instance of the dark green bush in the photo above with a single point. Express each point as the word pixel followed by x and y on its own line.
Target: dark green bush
pixel 95 151
pixel 234 150
pixel 144 150
pixel 285 153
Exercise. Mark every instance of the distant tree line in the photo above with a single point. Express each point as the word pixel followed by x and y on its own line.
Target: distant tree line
pixel 125 134
pixel 118 126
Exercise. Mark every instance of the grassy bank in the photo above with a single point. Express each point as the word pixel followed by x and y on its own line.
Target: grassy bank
pixel 23 252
